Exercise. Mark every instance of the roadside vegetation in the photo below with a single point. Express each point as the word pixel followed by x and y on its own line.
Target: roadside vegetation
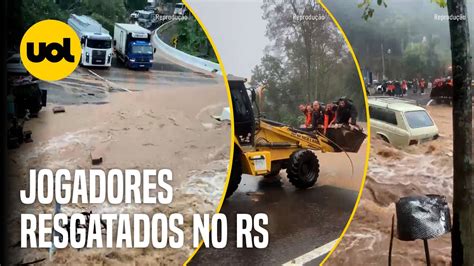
pixel 307 60
pixel 191 37
pixel 192 40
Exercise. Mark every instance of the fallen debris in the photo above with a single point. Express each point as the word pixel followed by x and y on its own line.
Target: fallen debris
pixel 59 109
pixel 225 115
pixel 96 157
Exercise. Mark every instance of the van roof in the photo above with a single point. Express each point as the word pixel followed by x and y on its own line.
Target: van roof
pixel 395 104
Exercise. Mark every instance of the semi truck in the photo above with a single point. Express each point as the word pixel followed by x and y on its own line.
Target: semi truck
pixel 96 41
pixel 132 46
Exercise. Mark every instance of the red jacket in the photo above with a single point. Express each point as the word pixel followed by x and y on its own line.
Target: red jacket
pixel 308 116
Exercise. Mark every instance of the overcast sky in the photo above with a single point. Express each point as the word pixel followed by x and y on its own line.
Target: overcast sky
pixel 238 30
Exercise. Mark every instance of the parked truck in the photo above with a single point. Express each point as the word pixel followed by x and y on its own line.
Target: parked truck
pixel 132 46
pixel 96 41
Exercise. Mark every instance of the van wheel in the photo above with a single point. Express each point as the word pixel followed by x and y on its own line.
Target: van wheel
pixel 303 169
pixel 235 173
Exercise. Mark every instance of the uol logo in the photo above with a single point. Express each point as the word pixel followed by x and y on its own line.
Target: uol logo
pixel 54 52
pixel 50 50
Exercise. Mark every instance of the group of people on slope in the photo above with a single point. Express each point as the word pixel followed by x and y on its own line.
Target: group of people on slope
pixel 320 117
pixel 400 88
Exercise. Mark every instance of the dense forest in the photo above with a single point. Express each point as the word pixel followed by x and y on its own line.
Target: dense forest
pixel 409 34
pixel 307 60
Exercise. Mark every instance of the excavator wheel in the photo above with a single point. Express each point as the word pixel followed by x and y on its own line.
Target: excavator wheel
pixel 303 169
pixel 235 173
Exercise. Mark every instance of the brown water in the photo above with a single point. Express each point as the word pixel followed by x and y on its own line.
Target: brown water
pixel 150 129
pixel 394 173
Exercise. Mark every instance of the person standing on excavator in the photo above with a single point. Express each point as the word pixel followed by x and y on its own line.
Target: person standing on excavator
pixel 307 110
pixel 346 113
pixel 317 119
pixel 329 116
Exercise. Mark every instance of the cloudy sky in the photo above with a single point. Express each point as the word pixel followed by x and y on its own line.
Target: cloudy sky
pixel 238 30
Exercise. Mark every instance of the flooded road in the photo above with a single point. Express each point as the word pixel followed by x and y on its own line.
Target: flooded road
pixel 300 221
pixel 134 120
pixel 394 173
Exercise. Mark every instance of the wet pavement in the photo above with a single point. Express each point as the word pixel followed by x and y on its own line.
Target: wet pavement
pixel 299 221
pixel 156 77
pixel 92 85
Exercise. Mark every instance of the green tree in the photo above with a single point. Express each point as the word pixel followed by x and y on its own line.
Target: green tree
pixel 307 60
pixel 193 40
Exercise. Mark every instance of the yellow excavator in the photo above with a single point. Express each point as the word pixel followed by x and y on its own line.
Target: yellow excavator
pixel 263 147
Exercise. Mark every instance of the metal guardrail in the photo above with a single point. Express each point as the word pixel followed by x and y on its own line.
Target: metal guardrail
pixel 182 56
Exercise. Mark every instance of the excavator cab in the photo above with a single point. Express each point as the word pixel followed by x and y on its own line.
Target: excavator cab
pixel 263 147
pixel 244 119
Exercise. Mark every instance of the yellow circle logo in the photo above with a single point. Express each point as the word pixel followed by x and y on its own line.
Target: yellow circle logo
pixel 50 50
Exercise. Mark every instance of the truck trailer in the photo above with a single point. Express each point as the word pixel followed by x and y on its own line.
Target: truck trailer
pixel 96 41
pixel 132 46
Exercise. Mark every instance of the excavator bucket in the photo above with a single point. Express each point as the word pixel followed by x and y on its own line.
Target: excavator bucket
pixel 346 139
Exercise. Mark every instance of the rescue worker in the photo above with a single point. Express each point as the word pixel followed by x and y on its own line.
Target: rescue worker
pixel 415 85
pixel 317 118
pixel 398 88
pixel 391 88
pixel 404 87
pixel 308 116
pixel 329 116
pixel 302 108
pixel 422 86
pixel 346 112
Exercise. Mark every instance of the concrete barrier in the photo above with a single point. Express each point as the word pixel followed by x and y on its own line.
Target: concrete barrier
pixel 161 41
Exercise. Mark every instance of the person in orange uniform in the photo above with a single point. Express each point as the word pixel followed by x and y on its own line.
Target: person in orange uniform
pixel 309 116
pixel 329 117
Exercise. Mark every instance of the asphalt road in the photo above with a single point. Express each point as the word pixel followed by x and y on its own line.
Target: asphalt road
pixel 164 73
pixel 299 221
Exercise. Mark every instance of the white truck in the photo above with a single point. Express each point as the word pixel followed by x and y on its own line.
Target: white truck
pixel 96 41
pixel 179 9
pixel 132 45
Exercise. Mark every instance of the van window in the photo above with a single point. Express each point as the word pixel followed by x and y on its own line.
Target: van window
pixel 418 119
pixel 383 115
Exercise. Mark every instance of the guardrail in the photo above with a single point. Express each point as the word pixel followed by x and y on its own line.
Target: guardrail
pixel 182 56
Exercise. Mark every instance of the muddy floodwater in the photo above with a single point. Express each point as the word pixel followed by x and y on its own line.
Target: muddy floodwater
pixel 156 127
pixel 395 173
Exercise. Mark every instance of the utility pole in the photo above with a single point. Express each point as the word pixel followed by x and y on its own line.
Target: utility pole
pixel 462 235
pixel 383 62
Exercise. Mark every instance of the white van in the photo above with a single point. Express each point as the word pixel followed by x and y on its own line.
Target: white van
pixel 400 122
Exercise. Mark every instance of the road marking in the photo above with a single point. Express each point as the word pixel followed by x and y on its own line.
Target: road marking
pixel 313 254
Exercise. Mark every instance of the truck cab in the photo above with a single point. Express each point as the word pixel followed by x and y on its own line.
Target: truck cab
pixel 140 54
pixel 96 50
pixel 133 46
pixel 96 41
pixel 179 9
pixel 145 18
